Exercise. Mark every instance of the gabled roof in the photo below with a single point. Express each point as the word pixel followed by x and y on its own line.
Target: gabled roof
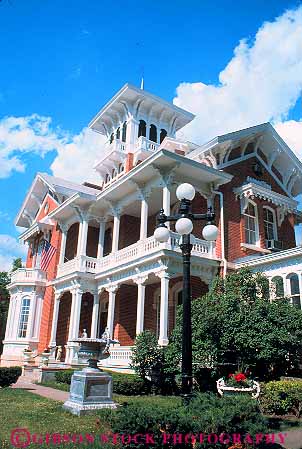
pixel 266 139
pixel 42 185
pixel 132 99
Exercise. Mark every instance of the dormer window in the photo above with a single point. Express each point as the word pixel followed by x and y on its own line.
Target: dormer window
pixel 270 227
pixel 251 224
pixel 142 128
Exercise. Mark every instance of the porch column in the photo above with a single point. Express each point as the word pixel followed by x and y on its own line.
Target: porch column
pixel 84 232
pixel 31 320
pixel 164 302
pixel 9 317
pixel 141 289
pixel 144 218
pixel 64 230
pixel 112 289
pixel 100 252
pixel 300 287
pixel 116 231
pixel 15 317
pixel 55 317
pixel 75 314
pixel 166 200
pixel 131 134
pixel 79 247
pixel 95 315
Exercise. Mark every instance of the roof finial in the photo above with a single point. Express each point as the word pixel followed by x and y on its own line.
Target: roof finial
pixel 142 83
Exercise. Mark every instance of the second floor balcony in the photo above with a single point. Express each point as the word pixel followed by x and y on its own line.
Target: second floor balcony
pixel 28 276
pixel 133 254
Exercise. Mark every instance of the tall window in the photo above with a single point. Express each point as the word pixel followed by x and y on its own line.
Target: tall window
pixel 153 133
pixel 269 224
pixel 250 224
pixel 142 128
pixel 124 132
pixel 163 134
pixel 278 287
pixel 294 290
pixel 23 322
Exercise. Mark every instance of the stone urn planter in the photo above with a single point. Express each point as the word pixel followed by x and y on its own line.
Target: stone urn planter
pixel 91 388
pixel 27 355
pixel 224 390
pixel 45 358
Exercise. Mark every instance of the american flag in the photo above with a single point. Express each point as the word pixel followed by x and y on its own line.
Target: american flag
pixel 46 256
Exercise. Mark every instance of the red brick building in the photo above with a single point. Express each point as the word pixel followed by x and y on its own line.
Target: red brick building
pixel 108 270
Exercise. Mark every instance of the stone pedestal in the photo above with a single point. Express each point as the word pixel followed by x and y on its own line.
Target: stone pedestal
pixel 90 390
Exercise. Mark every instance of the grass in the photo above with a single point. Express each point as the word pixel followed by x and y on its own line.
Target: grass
pixel 23 409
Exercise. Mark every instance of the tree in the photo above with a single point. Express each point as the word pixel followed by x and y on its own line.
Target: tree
pixel 235 326
pixel 4 304
pixel 17 263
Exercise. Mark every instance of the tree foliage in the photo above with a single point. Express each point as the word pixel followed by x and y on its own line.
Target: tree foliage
pixel 236 326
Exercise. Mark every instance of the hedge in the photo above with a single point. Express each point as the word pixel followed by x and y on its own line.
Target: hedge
pixel 206 414
pixel 127 384
pixel 282 397
pixel 9 376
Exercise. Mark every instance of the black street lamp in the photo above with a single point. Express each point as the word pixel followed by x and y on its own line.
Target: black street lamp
pixel 184 226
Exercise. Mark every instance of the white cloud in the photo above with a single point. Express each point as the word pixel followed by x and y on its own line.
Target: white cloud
pixel 75 159
pixel 291 132
pixel 10 249
pixel 261 83
pixel 76 154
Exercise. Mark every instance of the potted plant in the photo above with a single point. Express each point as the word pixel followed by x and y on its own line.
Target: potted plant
pixel 27 354
pixel 45 356
pixel 238 383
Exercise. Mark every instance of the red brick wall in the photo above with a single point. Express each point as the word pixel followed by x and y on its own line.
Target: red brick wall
pixel 86 313
pixel 92 241
pixel 63 321
pixel 129 162
pixel 129 230
pixel 234 222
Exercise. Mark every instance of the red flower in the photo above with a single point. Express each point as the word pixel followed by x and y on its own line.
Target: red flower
pixel 240 377
pixel 230 375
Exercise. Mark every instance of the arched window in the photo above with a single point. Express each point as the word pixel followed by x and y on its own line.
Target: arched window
pixel 163 134
pixel 23 320
pixel 269 221
pixel 124 132
pixel 121 168
pixel 113 173
pixel 251 224
pixel 153 133
pixel 107 178
pixel 108 241
pixel 142 128
pixel 294 290
pixel 111 138
pixel 278 287
pixel 118 134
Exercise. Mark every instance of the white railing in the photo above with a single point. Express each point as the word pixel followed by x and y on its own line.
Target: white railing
pixel 28 275
pixel 201 248
pixel 119 357
pixel 144 144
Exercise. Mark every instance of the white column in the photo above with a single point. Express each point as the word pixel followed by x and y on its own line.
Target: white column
pixel 111 306
pixel 300 287
pixel 132 134
pixel 141 289
pixel 101 238
pixel 164 303
pixel 75 314
pixel 166 202
pixel 31 318
pixel 12 330
pixel 63 243
pixel 116 232
pixel 9 317
pixel 95 315
pixel 55 317
pixel 84 229
pixel 79 247
pixel 144 219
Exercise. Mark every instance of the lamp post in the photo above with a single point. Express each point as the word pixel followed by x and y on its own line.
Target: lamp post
pixel 184 226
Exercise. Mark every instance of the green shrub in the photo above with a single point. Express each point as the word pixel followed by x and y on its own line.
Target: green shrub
pixel 282 397
pixel 206 414
pixel 9 376
pixel 127 384
pixel 64 376
pixel 146 354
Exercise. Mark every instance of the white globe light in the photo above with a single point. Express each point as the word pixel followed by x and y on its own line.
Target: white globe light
pixel 210 232
pixel 185 192
pixel 161 234
pixel 184 226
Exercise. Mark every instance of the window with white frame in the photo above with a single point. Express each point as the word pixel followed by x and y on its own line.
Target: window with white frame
pixel 251 224
pixel 23 321
pixel 277 287
pixel 294 290
pixel 269 224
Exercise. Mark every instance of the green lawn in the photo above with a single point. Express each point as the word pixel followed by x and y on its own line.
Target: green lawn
pixel 22 409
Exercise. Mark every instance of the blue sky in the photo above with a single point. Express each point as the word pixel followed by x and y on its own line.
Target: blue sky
pixel 61 61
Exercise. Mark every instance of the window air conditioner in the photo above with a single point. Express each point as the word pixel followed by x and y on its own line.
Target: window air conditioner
pixel 274 245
